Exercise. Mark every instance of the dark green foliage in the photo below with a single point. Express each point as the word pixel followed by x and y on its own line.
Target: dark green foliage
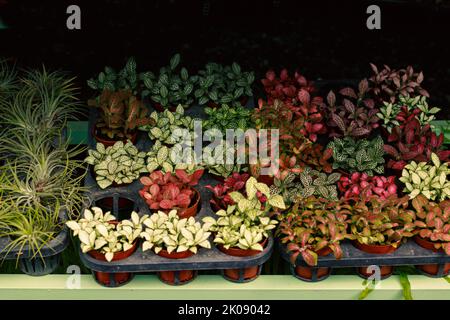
pixel 358 155
pixel 305 184
pixel 227 117
pixel 126 79
pixel 223 84
pixel 171 88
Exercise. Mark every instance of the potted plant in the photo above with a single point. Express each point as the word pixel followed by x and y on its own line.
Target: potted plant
pixel 413 142
pixel 305 184
pixel 165 125
pixel 171 237
pixel 228 117
pixel 365 156
pixel 243 229
pixel 285 87
pixel 220 160
pixel 218 84
pixel 296 93
pixel 126 79
pixel 28 230
pixel 379 226
pixel 104 238
pixel 400 112
pixel 433 231
pixel 427 179
pixel 170 89
pixel 362 184
pixel 313 227
pixel 221 192
pixel 168 159
pixel 116 165
pixel 387 84
pixel 40 177
pixel 354 116
pixel 172 191
pixel 120 114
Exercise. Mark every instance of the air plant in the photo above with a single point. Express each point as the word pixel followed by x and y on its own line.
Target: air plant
pixel 30 227
pixel 44 101
pixel 8 78
pixel 44 176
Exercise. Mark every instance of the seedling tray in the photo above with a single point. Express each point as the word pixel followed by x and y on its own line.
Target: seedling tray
pixel 408 253
pixel 205 259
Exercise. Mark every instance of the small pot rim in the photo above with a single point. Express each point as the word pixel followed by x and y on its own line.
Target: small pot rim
pixel 121 255
pixel 376 248
pixel 427 244
pixel 237 252
pixel 108 142
pixel 175 255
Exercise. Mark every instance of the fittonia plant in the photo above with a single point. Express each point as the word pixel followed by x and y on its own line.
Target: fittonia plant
pixel 120 163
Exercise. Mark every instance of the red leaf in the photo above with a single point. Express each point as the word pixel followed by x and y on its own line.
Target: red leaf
pixel 349 92
pixel 390 150
pixel 331 98
pixel 166 204
pixel 338 121
pixel 304 96
pixel 363 86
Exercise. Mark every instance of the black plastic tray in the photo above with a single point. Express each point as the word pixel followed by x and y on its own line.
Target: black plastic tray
pixel 408 253
pixel 205 259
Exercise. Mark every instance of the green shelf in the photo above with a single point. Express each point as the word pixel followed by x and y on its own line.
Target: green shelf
pixel 214 287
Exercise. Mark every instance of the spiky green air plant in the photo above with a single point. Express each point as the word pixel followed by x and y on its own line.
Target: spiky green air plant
pixel 44 102
pixel 46 177
pixel 5 209
pixel 32 227
pixel 8 78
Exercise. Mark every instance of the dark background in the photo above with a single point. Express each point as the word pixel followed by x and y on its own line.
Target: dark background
pixel 322 39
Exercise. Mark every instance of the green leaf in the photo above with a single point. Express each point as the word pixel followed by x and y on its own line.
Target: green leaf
pixel 163 91
pixel 277 202
pixel 236 68
pixel 174 61
pixel 367 290
pixel 406 285
pixel 184 74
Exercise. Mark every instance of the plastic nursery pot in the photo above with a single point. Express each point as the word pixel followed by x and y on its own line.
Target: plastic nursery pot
pixel 39 266
pixel 124 206
pixel 385 271
pixel 432 270
pixel 176 277
pixel 244 274
pixel 314 274
pixel 110 142
pixel 108 279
